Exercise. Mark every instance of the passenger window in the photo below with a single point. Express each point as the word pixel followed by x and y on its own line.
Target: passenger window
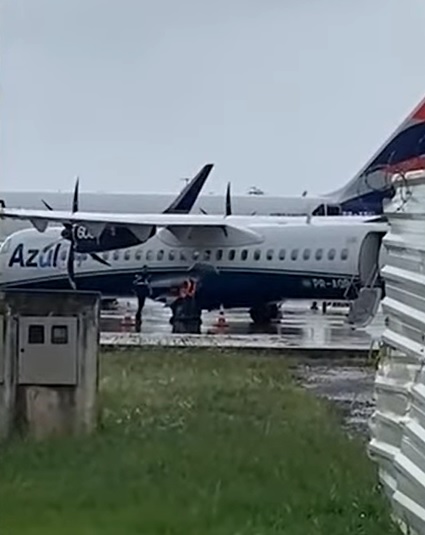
pixel 105 255
pixel 59 334
pixel 319 254
pixel 219 254
pixel 269 254
pixel 183 256
pixel 331 254
pixel 64 255
pixel 160 255
pixel 282 254
pixel 232 254
pixel 195 255
pixel 257 254
pixel 149 255
pixel 127 255
pixel 344 254
pixel 171 255
pixel 244 254
pixel 138 255
pixel 294 254
pixel 306 254
pixel 207 255
pixel 116 255
pixel 36 334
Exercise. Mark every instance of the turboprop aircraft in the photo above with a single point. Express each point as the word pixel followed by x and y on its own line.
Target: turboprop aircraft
pixel 365 193
pixel 239 261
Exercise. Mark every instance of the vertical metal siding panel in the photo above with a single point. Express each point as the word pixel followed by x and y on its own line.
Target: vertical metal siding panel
pixel 398 423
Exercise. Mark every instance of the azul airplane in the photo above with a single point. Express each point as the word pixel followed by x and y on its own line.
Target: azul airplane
pixel 239 261
pixel 365 193
pixel 246 257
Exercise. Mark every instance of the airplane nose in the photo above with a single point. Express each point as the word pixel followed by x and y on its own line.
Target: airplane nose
pixel 4 247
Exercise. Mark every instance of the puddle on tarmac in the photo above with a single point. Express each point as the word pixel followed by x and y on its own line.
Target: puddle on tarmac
pixel 349 387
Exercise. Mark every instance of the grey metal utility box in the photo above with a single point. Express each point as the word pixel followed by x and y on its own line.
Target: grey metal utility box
pixel 48 350
pixel 48 361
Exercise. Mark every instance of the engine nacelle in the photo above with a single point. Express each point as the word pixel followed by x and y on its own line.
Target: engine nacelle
pixel 109 239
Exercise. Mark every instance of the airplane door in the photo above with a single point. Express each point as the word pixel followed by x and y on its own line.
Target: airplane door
pixel 369 257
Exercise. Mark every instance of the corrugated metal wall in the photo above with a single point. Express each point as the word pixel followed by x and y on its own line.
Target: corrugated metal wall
pixel 398 423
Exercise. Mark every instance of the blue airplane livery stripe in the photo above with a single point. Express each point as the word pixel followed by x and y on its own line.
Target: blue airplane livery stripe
pixel 232 288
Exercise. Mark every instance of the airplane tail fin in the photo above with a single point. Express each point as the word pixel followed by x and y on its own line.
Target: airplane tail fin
pixel 403 151
pixel 190 193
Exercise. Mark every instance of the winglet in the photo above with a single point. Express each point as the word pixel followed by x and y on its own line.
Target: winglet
pixel 183 204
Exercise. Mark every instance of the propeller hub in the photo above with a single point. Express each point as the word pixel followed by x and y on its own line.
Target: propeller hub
pixel 66 233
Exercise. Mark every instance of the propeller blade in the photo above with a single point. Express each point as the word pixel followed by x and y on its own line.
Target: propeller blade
pixel 67 226
pixel 70 266
pixel 75 199
pixel 46 204
pixel 99 259
pixel 228 201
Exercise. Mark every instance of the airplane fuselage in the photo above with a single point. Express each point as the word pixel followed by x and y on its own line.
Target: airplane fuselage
pixel 292 260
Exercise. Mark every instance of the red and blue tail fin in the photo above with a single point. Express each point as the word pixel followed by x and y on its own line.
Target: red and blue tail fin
pixel 403 151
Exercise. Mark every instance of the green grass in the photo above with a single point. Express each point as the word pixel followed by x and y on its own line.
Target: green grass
pixel 196 444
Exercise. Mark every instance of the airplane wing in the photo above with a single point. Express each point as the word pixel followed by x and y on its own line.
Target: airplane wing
pixel 190 230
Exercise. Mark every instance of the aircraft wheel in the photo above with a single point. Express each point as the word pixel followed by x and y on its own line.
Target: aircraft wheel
pixel 264 314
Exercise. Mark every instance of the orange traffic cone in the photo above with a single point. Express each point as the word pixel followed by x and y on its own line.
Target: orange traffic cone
pixel 127 323
pixel 221 324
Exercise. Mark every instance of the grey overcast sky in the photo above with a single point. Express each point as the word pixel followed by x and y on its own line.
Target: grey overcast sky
pixel 133 94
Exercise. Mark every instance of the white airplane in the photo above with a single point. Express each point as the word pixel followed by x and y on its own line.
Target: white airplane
pixel 363 194
pixel 240 261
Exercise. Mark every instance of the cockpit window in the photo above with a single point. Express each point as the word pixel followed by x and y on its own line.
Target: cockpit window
pixel 5 246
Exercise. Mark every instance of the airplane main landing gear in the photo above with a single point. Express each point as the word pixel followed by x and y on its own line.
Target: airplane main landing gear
pixel 264 314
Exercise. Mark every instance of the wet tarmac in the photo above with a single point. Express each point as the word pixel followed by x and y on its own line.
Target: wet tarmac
pixel 299 325
pixel 348 384
pixel 349 387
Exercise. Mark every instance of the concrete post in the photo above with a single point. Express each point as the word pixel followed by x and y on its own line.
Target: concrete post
pixel 48 362
pixel 7 374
